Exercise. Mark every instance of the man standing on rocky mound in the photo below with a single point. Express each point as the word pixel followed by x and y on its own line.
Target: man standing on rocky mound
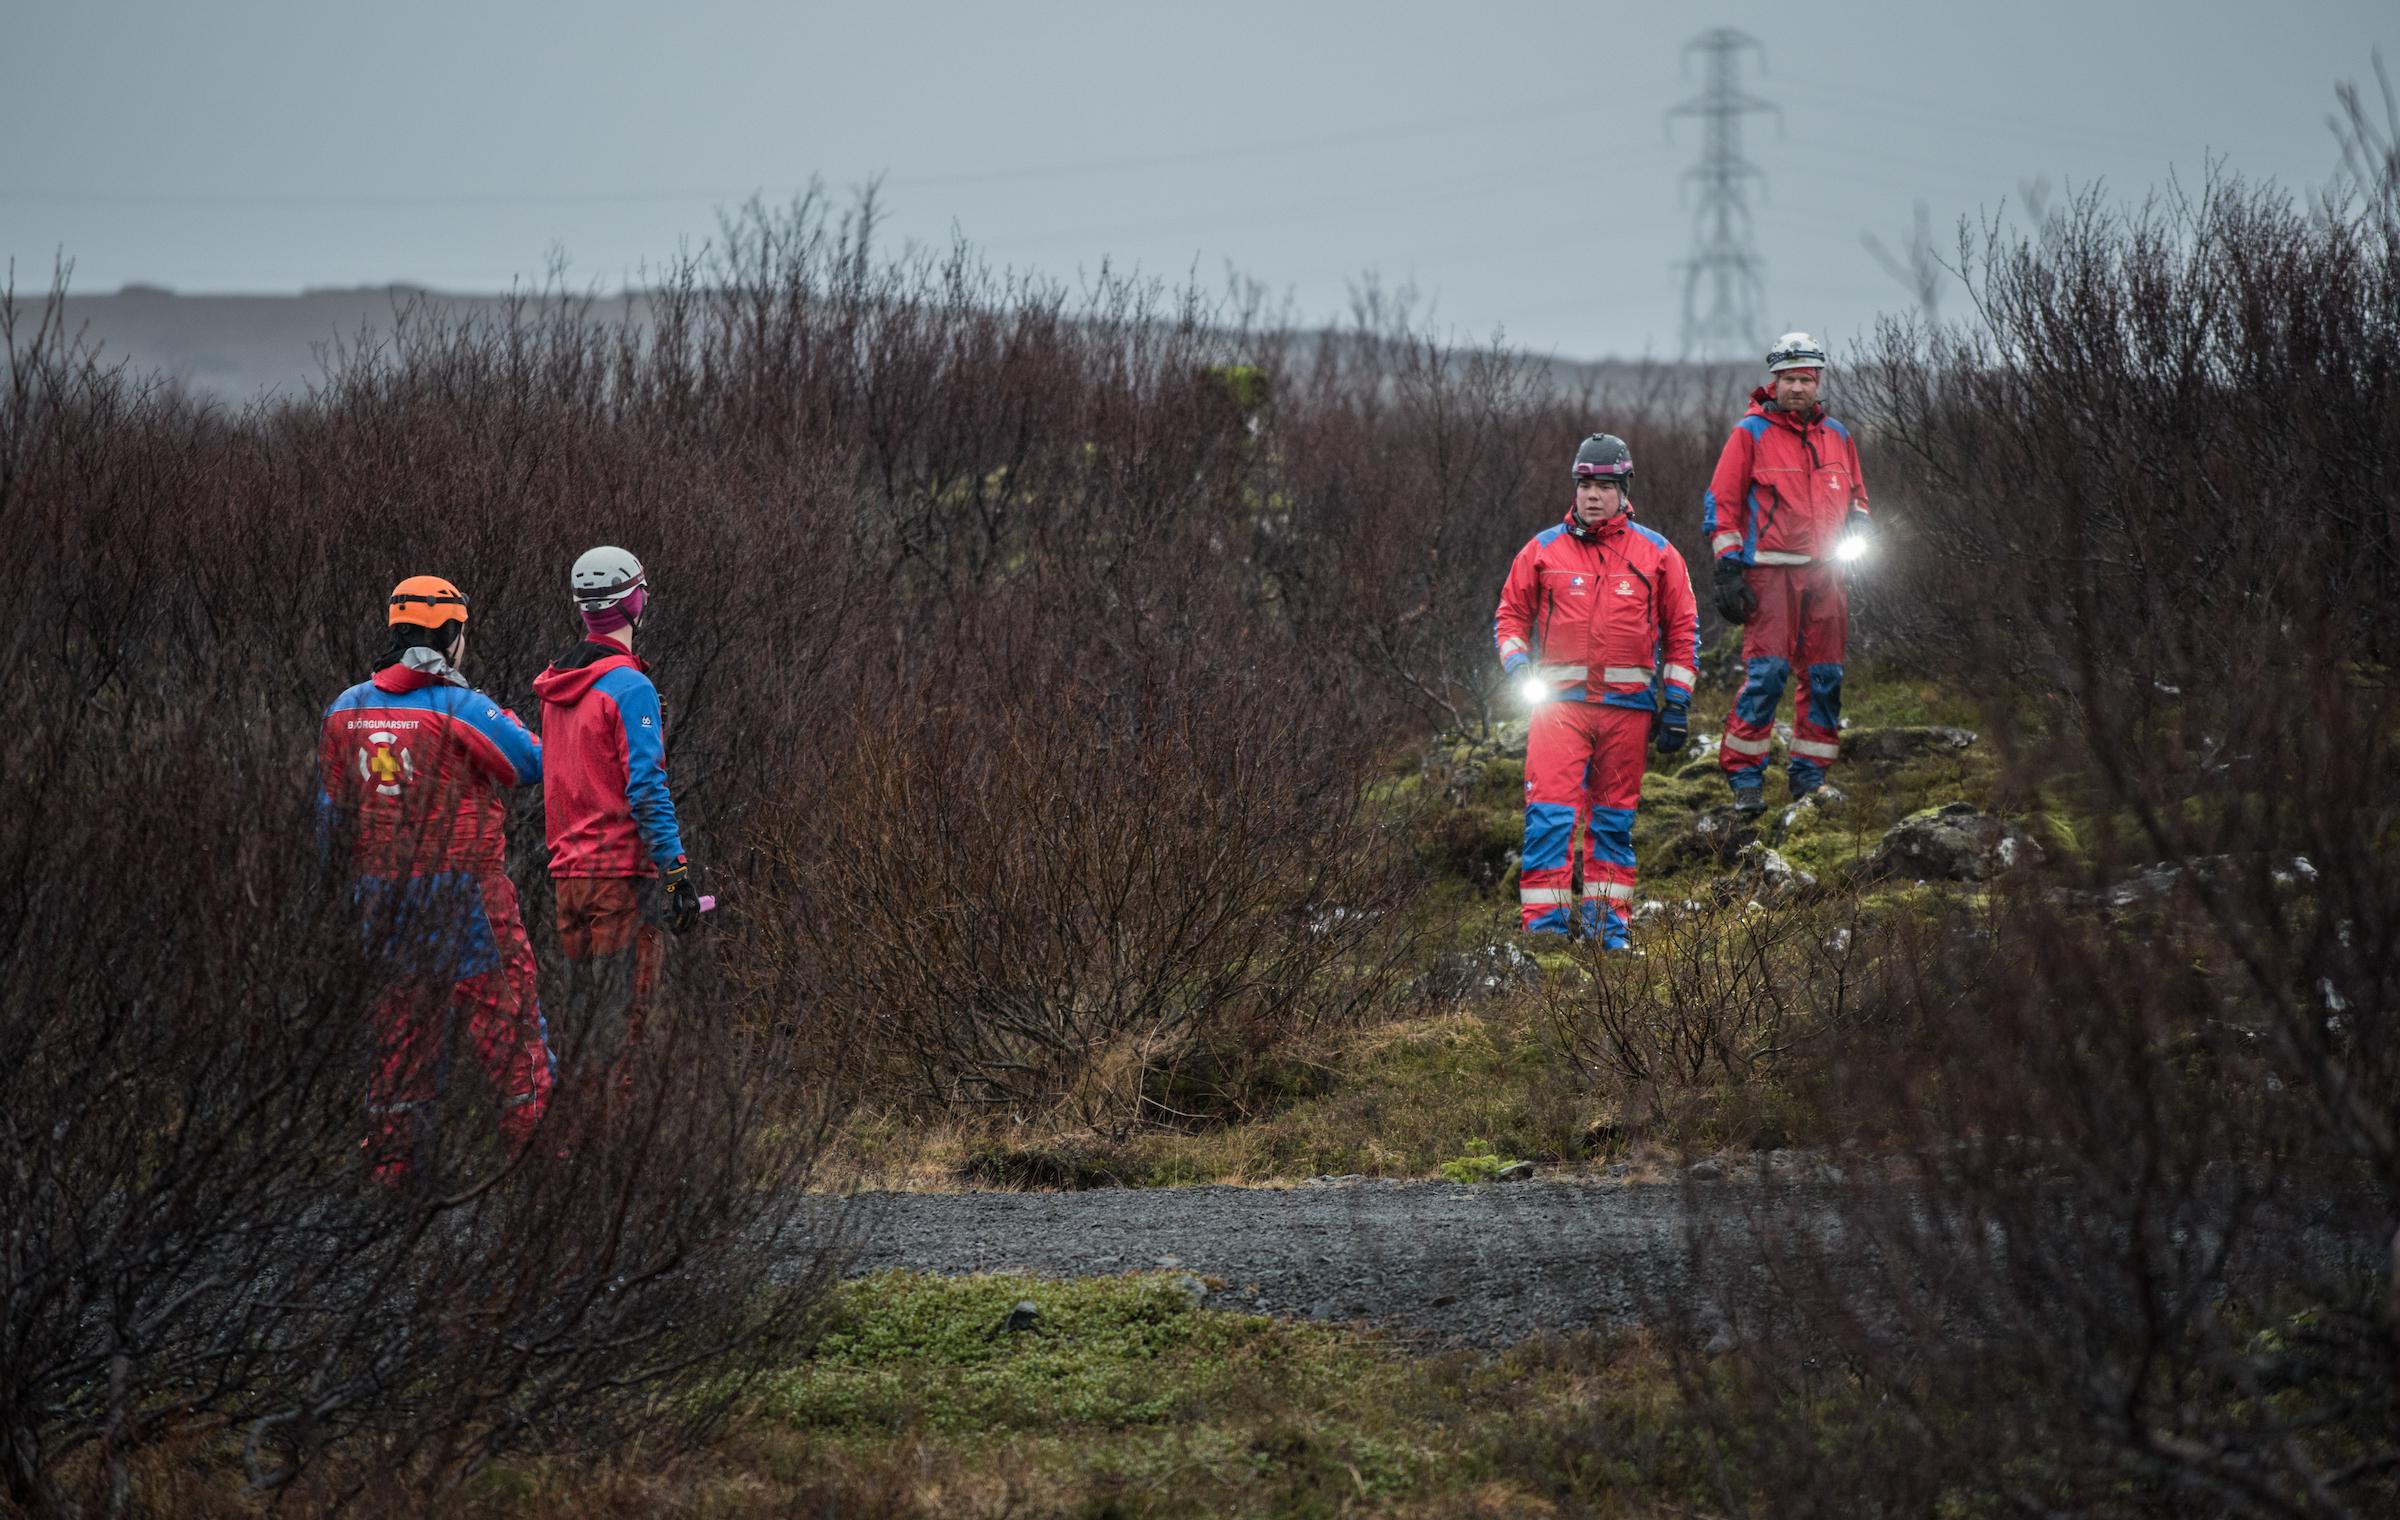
pixel 1598 624
pixel 1785 494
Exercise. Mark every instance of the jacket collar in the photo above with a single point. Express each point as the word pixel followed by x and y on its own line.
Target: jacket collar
pixel 417 669
pixel 1612 528
pixel 1762 404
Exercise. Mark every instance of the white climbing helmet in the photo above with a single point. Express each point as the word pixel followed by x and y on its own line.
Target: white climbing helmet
pixel 604 577
pixel 1795 350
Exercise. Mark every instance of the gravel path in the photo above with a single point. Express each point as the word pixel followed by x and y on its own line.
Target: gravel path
pixel 1464 1265
pixel 1483 1265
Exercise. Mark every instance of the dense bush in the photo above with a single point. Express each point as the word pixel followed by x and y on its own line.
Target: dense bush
pixel 2143 1262
pixel 1024 654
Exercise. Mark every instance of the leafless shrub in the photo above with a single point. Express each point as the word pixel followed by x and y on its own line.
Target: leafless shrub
pixel 1411 470
pixel 192 1250
pixel 1025 659
pixel 2132 1251
pixel 1109 896
pixel 1722 997
pixel 2370 172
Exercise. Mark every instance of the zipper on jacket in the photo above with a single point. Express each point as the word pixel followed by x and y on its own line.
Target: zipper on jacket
pixel 1591 637
pixel 1810 450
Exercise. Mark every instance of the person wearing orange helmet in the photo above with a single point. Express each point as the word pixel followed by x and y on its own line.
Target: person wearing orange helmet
pixel 413 767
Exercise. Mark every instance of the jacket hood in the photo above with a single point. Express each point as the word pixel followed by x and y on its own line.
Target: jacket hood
pixel 565 683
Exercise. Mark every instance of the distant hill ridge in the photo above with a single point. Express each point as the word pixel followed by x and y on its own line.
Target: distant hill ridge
pixel 234 348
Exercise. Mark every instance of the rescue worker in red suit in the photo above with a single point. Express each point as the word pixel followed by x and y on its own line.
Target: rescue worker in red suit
pixel 616 850
pixel 1598 625
pixel 1785 494
pixel 412 767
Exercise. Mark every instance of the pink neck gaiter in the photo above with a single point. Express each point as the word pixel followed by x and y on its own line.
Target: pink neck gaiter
pixel 623 615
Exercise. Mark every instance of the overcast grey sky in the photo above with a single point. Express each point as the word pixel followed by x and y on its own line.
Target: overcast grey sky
pixel 1509 159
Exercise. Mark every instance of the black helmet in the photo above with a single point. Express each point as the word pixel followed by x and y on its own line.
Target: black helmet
pixel 1605 457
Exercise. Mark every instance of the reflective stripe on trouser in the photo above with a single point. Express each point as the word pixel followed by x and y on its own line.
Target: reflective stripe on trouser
pixel 496 1011
pixel 1582 759
pixel 1802 623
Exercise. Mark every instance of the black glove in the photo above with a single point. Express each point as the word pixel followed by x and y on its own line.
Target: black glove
pixel 1858 524
pixel 1674 730
pixel 683 899
pixel 1735 600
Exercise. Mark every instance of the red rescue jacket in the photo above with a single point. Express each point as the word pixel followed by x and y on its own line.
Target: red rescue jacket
pixel 418 763
pixel 605 734
pixel 1608 610
pixel 1783 487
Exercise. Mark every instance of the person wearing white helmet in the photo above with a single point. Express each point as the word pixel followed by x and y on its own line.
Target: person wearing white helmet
pixel 1786 494
pixel 617 858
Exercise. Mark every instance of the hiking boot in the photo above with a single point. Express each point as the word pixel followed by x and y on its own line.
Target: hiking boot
pixel 1749 798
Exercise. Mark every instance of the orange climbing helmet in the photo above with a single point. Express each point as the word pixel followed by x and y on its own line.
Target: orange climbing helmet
pixel 427 601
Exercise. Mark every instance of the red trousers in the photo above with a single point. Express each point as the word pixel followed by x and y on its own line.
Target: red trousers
pixel 1803 621
pixel 1583 761
pixel 466 920
pixel 608 929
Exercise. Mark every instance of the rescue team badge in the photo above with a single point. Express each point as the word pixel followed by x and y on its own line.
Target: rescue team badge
pixel 384 770
pixel 1624 588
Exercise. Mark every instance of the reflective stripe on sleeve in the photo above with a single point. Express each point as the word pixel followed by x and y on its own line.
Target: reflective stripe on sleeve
pixel 1624 673
pixel 1782 557
pixel 1723 542
pixel 1511 645
pixel 1742 746
pixel 1813 749
pixel 1683 673
pixel 1532 895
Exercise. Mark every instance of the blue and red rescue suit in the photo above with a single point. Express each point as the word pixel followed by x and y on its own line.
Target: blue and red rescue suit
pixel 1783 488
pixel 1604 616
pixel 412 766
pixel 612 830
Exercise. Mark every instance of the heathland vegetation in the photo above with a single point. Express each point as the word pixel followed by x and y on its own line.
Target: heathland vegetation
pixel 1083 701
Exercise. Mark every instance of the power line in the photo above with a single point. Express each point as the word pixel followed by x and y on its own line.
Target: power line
pixel 1072 169
pixel 1725 323
pixel 1854 100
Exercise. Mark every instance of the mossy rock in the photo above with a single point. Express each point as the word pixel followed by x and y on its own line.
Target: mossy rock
pixel 1900 744
pixel 1063 1165
pixel 1714 837
pixel 1721 660
pixel 1477 845
pixel 1684 793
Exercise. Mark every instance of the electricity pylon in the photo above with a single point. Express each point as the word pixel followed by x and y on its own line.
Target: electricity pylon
pixel 1724 288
